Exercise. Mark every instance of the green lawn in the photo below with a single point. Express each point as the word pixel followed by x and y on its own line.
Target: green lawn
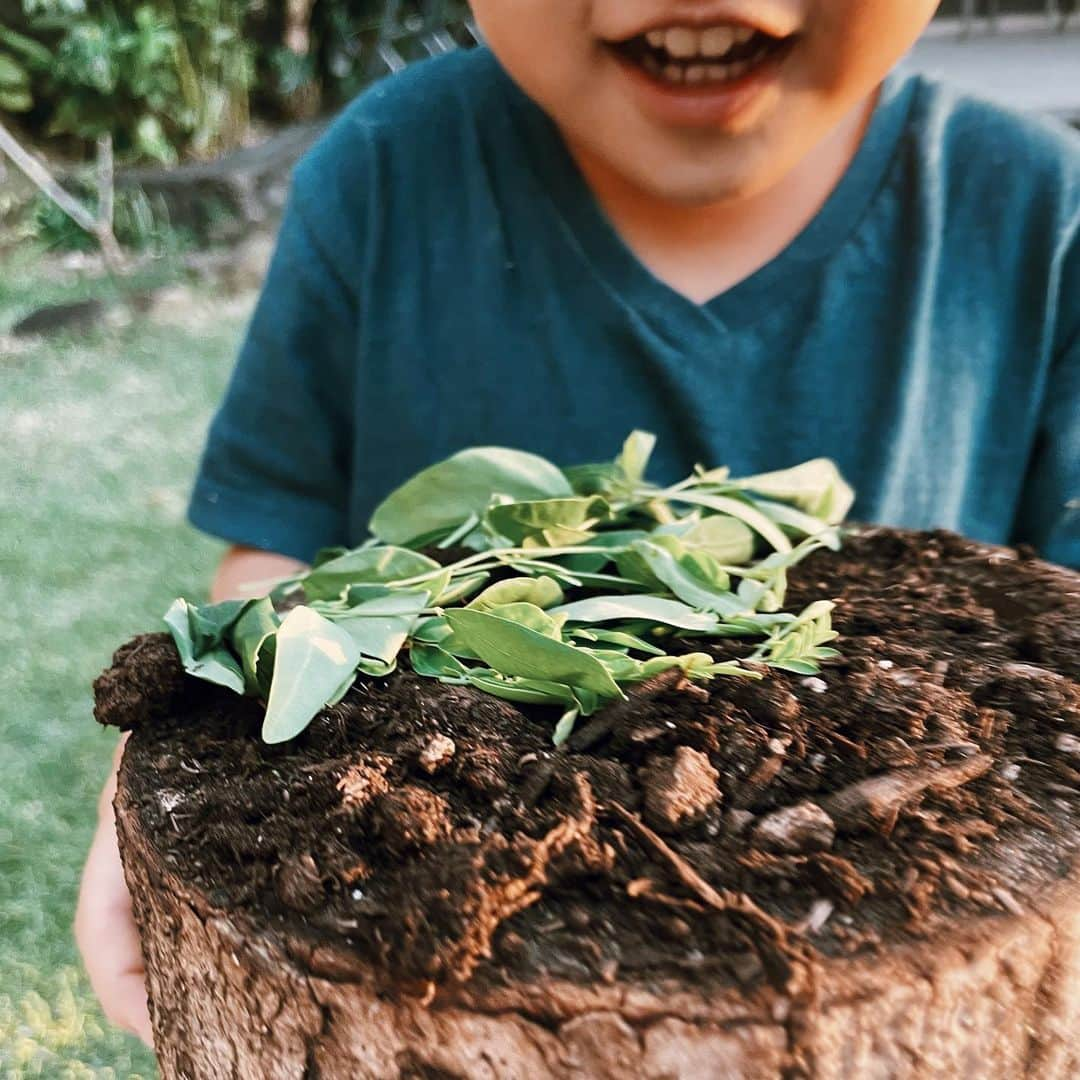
pixel 102 437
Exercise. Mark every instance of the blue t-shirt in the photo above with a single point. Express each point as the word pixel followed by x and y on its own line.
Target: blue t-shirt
pixel 445 278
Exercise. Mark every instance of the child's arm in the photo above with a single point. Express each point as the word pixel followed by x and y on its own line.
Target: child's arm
pixel 104 926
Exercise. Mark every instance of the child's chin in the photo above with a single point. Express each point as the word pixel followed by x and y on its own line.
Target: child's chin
pixel 722 175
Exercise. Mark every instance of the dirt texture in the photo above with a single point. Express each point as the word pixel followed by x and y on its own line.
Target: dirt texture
pixel 871 872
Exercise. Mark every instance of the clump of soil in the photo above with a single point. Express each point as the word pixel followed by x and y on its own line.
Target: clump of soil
pixel 717 834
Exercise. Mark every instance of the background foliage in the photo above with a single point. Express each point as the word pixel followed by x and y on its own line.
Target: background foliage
pixel 173 78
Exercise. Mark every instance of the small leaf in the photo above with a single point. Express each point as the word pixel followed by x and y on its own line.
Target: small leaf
pixel 681 577
pixel 815 487
pixel 521 690
pixel 634 458
pixel 380 626
pixel 214 664
pixel 433 662
pixel 606 542
pixel 441 497
pixel 743 511
pixel 253 640
pixel 531 616
pixel 618 637
pixel 327 554
pixel 315 660
pixel 563 521
pixel 542 591
pixel 602 478
pixel 516 650
pixel 653 609
pixel 565 726
pixel 370 565
pixel 457 590
pixel 211 622
pixel 802 523
pixel 726 539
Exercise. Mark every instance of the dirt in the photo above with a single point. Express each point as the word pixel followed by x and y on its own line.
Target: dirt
pixel 717 835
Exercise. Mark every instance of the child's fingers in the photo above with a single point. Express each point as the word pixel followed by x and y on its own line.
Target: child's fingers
pixel 106 934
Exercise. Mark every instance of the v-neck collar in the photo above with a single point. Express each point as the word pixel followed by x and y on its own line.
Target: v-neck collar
pixel 639 288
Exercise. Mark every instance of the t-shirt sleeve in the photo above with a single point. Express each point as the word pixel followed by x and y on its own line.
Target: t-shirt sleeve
pixel 1050 509
pixel 275 472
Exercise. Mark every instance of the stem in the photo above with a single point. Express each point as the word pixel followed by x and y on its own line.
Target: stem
pixel 471 562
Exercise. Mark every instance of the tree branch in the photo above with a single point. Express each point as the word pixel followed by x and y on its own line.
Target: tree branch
pixel 100 227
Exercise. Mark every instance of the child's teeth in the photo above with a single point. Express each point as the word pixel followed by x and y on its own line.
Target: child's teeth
pixel 717 40
pixel 682 42
pixel 683 54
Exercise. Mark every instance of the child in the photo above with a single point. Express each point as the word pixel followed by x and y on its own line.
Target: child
pixel 718 220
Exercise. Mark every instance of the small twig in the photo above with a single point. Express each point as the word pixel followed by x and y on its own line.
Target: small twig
pixel 779 957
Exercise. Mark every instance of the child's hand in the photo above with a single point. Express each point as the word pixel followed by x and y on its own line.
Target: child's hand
pixel 105 928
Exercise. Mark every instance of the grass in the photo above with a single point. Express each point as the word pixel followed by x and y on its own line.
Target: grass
pixel 103 436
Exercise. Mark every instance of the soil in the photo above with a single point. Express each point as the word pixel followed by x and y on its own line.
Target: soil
pixel 719 835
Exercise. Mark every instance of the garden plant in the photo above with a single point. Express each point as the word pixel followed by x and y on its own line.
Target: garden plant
pixel 563 772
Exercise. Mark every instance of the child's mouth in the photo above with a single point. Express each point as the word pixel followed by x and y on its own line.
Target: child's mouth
pixel 683 56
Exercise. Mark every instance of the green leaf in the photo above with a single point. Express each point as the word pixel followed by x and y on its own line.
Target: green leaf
pixel 253 640
pixel 623 668
pixel 211 622
pixel 442 496
pixel 328 554
pixel 315 660
pixel 607 543
pixel 815 487
pixel 726 539
pixel 15 99
pixel 653 609
pixel 798 645
pixel 522 690
pixel 743 511
pixel 634 458
pixel 618 637
pixel 381 564
pixel 213 663
pixel 796 667
pixel 799 522
pixel 564 728
pixel 682 578
pixel 555 520
pixel 30 50
pixel 542 591
pixel 458 590
pixel 433 631
pixel 379 626
pixel 512 649
pixel 696 665
pixel 601 478
pixel 531 616
pixel 433 662
pixel 12 74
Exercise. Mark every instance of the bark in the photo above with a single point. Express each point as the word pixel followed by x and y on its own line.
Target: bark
pixel 987 998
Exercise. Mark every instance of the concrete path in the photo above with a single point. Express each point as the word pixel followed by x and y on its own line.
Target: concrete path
pixel 1036 70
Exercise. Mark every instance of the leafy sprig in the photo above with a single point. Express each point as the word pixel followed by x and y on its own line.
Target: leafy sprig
pixel 604 569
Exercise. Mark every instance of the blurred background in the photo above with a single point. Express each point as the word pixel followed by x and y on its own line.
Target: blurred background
pixel 145 150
